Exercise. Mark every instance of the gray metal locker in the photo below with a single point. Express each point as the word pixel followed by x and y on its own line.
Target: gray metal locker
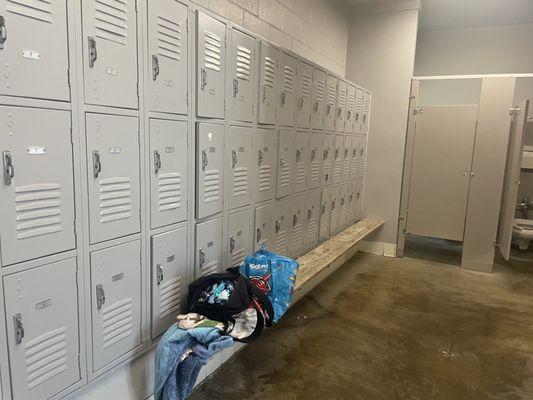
pixel 354 148
pixel 338 157
pixel 208 247
pixel 168 180
pixel 350 202
pixel 343 206
pixel 315 160
pixel 340 113
pixel 42 329
pixel 346 157
pixel 300 162
pixel 298 214
pixel 33 46
pixel 366 113
pixel 239 238
pixel 287 90
pixel 168 56
pixel 304 95
pixel 169 278
pixel 240 148
pixel 113 176
pixel 268 84
pixel 36 192
pixel 209 169
pixel 325 215
pixel 319 99
pixel 281 227
pixel 359 108
pixel 265 164
pixel 362 157
pixel 358 200
pixel 116 302
pixel 335 203
pixel 312 218
pixel 350 109
pixel 243 73
pixel 285 163
pixel 110 52
pixel 328 155
pixel 264 227
pixel 330 101
pixel 210 65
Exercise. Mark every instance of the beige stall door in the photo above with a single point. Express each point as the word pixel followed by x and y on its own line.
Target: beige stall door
pixel 442 157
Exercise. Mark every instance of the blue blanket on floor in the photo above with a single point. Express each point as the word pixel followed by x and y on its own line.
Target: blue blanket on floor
pixel 179 357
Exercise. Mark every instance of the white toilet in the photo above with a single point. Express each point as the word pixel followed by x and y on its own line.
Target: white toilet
pixel 523 232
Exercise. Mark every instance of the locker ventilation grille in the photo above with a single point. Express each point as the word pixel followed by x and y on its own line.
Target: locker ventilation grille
pixel 45 356
pixel 346 165
pixel 331 95
pixel 342 99
pixel 307 81
pixel 270 72
pixel 327 167
pixel 297 236
pixel 117 322
pixel 351 101
pixel 324 224
pixel 240 181
pixel 209 268
pixel 334 218
pixel 169 191
pixel 237 256
pixel 265 178
pixel 315 171
pixel 211 186
pixel 111 20
pixel 170 297
pixel 359 104
pixel 40 10
pixel 300 173
pixel 288 79
pixel 115 199
pixel 244 57
pixel 169 38
pixel 38 210
pixel 281 242
pixel 320 88
pixel 311 230
pixel 212 51
pixel 337 167
pixel 285 177
pixel 263 243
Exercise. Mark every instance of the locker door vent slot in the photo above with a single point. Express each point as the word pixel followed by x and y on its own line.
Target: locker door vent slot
pixel 169 191
pixel 212 52
pixel 244 57
pixel 269 77
pixel 115 199
pixel 170 297
pixel 40 10
pixel 169 35
pixel 117 322
pixel 111 21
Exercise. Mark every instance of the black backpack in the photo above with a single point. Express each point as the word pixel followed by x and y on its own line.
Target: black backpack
pixel 244 295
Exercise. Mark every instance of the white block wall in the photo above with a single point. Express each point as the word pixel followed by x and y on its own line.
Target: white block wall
pixel 314 29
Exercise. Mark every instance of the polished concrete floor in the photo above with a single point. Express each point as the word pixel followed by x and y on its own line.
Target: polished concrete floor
pixel 383 328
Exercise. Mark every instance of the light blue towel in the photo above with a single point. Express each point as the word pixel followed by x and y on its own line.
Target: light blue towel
pixel 179 357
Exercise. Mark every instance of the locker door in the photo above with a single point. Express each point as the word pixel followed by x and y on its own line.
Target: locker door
pixel 296 224
pixel 240 243
pixel 300 154
pixel 211 71
pixel 327 159
pixel 354 157
pixel 243 73
pixel 315 160
pixel 350 109
pixel 42 329
pixel 168 55
pixel 340 114
pixel 268 84
pixel 36 191
pixel 240 148
pixel 319 96
pixel 168 180
pixel 169 278
pixel 208 247
pixel 34 49
pixel 350 199
pixel 335 209
pixel 110 52
pixel 265 162
pixel 362 157
pixel 366 113
pixel 331 99
pixel 359 108
pixel 287 91
pixel 338 157
pixel 343 207
pixel 113 176
pixel 305 89
pixel 325 215
pixel 312 216
pixel 281 227
pixel 264 227
pixel 358 199
pixel 209 169
pixel 116 302
pixel 285 163
pixel 346 157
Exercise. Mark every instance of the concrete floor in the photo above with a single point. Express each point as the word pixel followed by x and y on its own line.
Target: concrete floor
pixel 383 328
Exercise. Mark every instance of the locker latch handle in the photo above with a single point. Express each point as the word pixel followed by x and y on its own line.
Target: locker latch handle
pixel 278 226
pixel 309 214
pixel 313 154
pixel 204 160
pixel 358 195
pixel 3 31
pixel 93 53
pixel 356 117
pixel 203 78
pixel 323 210
pixel 339 112
pixel 231 244
pixel 294 219
pixel 155 67
pixel 354 153
pixel 97 165
pixel 100 296
pixel 342 201
pixel 18 326
pixel 160 274
pixel 258 235
pixel 315 107
pixel 362 151
pixel 157 161
pixel 333 204
pixel 326 152
pixel 351 198
pixel 328 109
pixel 364 118
pixel 235 87
pixel 9 169
pixel 346 153
pixel 201 257
pixel 259 157
pixel 300 103
pixel 349 115
pixel 298 155
pixel 283 98
pixel 336 154
pixel 233 158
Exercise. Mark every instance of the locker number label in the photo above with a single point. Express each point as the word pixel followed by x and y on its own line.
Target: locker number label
pixel 36 150
pixel 117 277
pixel 210 244
pixel 169 149
pixel 44 304
pixel 115 150
pixel 31 54
pixel 212 149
